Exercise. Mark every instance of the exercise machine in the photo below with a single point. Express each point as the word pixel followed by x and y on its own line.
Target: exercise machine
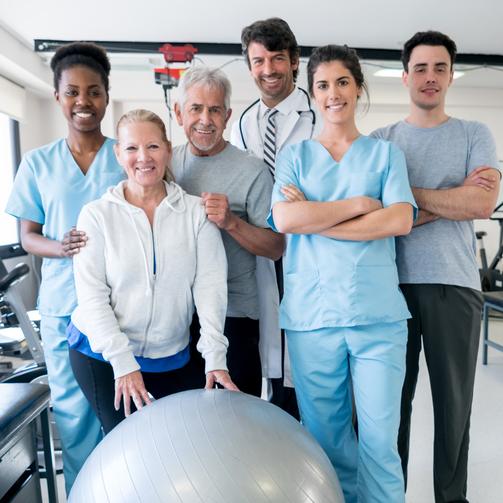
pixel 491 276
pixel 19 336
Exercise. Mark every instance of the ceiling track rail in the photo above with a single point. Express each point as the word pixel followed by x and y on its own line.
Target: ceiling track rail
pixel 221 49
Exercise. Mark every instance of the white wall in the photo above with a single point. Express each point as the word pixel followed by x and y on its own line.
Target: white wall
pixel 34 129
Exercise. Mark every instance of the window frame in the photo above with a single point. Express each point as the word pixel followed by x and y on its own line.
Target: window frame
pixel 13 249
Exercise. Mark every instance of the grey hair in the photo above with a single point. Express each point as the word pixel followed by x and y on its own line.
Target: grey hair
pixel 205 76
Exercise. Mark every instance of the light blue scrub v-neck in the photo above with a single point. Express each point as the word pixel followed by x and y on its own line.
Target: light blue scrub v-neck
pixel 335 283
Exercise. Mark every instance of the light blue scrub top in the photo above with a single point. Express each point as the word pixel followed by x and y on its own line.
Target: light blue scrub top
pixel 50 189
pixel 330 282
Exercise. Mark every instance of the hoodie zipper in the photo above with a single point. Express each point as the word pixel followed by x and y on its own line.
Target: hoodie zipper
pixel 153 233
pixel 152 287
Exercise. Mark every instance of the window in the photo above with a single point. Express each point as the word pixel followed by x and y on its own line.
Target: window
pixel 9 159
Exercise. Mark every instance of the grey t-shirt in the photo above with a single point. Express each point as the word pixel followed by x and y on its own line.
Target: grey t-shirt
pixel 248 185
pixel 443 251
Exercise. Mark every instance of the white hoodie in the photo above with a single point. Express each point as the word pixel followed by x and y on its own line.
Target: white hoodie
pixel 123 307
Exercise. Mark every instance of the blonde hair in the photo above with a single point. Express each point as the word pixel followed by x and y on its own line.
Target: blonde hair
pixel 141 115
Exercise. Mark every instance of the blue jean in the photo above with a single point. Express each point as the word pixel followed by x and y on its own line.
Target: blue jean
pixel 324 364
pixel 78 426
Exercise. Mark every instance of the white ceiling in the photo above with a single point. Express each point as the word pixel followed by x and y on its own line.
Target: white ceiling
pixel 475 26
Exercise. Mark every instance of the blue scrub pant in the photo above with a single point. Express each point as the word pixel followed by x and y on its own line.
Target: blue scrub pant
pixel 324 364
pixel 78 426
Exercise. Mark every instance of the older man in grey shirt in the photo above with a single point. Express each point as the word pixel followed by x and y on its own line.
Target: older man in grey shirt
pixel 451 166
pixel 235 188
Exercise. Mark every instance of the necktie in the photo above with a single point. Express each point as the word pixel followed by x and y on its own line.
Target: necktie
pixel 270 140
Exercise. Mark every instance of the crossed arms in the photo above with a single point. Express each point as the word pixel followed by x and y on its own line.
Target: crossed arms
pixel 475 198
pixel 358 218
pixel 363 219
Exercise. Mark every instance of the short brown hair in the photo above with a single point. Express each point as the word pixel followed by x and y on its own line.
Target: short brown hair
pixel 275 35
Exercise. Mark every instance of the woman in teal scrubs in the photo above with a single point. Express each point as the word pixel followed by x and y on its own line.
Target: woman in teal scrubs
pixel 341 199
pixel 52 184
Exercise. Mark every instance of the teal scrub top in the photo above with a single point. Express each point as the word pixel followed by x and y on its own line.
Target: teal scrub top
pixel 330 282
pixel 50 189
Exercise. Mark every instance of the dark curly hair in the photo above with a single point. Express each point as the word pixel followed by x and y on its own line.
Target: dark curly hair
pixel 428 38
pixel 347 56
pixel 275 35
pixel 81 54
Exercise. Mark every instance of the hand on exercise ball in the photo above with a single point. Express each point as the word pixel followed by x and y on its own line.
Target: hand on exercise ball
pixel 131 386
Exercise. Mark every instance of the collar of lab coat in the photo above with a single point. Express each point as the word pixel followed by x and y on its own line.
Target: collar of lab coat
pixel 296 101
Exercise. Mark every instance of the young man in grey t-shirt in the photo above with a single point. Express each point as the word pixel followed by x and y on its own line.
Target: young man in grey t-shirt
pixel 236 192
pixel 452 170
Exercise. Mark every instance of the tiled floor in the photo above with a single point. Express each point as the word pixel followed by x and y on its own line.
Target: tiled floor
pixel 485 483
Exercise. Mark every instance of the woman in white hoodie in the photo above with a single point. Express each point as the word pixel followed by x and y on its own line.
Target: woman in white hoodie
pixel 152 256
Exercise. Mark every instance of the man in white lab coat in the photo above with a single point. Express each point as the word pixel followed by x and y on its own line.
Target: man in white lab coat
pixel 272 55
pixel 281 116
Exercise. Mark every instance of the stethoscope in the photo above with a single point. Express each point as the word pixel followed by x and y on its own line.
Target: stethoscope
pixel 300 112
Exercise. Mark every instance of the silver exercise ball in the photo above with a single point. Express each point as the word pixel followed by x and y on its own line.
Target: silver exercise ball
pixel 208 447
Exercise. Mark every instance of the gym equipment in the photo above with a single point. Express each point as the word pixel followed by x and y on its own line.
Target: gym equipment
pixel 208 446
pixel 21 404
pixel 14 318
pixel 491 277
pixel 493 302
pixel 19 337
pixel 492 284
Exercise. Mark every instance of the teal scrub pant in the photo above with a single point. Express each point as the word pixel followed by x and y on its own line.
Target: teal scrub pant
pixel 325 363
pixel 78 426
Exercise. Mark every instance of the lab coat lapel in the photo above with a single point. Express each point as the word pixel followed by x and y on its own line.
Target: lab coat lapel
pixel 298 104
pixel 252 131
pixel 287 129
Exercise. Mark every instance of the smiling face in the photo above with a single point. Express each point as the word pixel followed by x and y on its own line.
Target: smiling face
pixel 272 72
pixel 203 117
pixel 335 92
pixel 429 76
pixel 143 153
pixel 82 97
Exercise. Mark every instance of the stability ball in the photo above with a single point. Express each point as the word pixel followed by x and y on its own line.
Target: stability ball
pixel 208 446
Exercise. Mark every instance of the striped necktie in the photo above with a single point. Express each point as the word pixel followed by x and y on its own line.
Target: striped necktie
pixel 270 140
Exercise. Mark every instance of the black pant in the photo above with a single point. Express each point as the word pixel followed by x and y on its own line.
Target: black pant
pixel 243 357
pixel 96 379
pixel 446 321
pixel 283 396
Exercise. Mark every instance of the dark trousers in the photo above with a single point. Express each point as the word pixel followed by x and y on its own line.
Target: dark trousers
pixel 96 379
pixel 283 396
pixel 243 357
pixel 446 323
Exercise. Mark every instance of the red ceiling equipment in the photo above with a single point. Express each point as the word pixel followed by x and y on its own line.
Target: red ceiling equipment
pixel 178 58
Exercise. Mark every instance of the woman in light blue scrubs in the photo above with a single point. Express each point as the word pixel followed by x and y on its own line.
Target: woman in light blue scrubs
pixel 52 184
pixel 341 199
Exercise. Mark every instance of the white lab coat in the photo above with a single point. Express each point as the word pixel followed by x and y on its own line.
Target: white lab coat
pixel 298 127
